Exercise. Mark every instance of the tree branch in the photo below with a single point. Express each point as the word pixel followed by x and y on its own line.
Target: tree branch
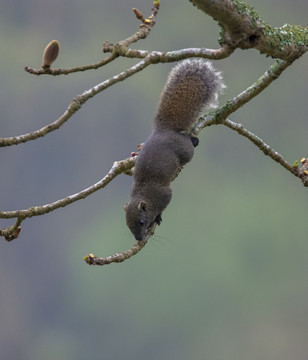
pixel 220 117
pixel 267 150
pixel 243 28
pixel 152 57
pixel 116 258
pixel 78 101
pixel 118 168
pixel 244 97
pixel 123 255
pixel 116 50
pixel 60 71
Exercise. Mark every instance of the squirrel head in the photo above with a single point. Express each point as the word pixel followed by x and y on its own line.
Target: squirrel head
pixel 139 218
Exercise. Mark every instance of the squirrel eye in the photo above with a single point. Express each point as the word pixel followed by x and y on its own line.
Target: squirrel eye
pixel 141 222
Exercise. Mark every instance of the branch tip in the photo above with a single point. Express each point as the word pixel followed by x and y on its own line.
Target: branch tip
pixel 92 259
pixel 10 233
pixel 138 14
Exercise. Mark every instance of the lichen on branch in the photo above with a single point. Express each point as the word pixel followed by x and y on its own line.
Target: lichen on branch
pixel 242 27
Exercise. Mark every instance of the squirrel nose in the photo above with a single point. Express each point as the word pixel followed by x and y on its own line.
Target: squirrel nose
pixel 138 237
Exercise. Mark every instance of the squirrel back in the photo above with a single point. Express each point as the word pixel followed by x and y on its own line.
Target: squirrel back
pixel 191 86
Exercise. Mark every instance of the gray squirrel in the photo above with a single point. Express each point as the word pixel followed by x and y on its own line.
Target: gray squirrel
pixel 192 86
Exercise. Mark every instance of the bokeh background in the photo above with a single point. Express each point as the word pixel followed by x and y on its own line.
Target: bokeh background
pixel 225 276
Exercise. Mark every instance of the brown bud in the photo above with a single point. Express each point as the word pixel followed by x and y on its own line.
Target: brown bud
pixel 138 14
pixel 50 53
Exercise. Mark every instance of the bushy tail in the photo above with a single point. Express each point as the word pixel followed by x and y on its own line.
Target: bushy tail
pixel 192 86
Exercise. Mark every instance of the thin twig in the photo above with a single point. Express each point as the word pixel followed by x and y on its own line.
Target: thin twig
pixel 60 71
pixel 244 97
pixel 152 57
pixel 301 173
pixel 123 255
pixel 177 55
pixel 77 102
pixel 220 117
pixel 118 168
pixel 116 258
pixel 266 149
pixel 12 232
pixel 116 50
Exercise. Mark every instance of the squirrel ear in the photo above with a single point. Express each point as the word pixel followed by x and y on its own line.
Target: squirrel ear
pixel 125 206
pixel 142 205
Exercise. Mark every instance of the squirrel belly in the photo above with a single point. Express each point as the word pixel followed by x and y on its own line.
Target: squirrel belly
pixel 161 156
pixel 191 86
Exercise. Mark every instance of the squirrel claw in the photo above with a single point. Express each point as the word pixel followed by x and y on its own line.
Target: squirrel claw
pixel 158 219
pixel 194 140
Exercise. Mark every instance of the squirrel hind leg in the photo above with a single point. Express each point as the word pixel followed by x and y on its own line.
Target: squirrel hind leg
pixel 194 140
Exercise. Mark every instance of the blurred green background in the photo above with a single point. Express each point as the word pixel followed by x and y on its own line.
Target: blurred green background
pixel 225 276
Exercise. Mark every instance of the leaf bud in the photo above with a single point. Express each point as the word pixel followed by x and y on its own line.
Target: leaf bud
pixel 50 53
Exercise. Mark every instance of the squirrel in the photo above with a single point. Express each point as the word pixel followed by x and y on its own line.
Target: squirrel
pixel 192 85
